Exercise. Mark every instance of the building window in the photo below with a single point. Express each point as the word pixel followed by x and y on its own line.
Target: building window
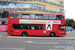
pixel 14 5
pixel 61 3
pixel 4 14
pixel 7 14
pixel 27 5
pixel 33 5
pixel 41 6
pixel 23 5
pixel 3 22
pixel 20 5
pixel 0 4
pixel 0 15
pixel 10 5
pixel 4 5
pixel 61 10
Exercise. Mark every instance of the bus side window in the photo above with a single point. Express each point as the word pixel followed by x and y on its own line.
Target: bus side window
pixel 36 27
pixel 32 16
pixel 32 27
pixel 39 16
pixel 20 26
pixel 26 16
pixel 15 26
pixel 26 27
pixel 45 16
pixel 52 16
pixel 41 27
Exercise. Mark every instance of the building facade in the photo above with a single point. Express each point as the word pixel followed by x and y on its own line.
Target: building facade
pixel 32 6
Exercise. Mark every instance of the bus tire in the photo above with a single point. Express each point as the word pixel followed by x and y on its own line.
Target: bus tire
pixel 52 34
pixel 24 33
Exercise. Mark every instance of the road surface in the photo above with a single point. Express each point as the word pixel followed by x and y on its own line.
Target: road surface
pixel 36 44
pixel 28 44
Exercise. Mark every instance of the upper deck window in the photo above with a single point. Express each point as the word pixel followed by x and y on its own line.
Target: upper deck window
pixel 32 16
pixel 45 16
pixel 25 16
pixel 15 16
pixel 39 16
pixel 52 16
pixel 60 17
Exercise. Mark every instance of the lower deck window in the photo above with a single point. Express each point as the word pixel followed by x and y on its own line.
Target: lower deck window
pixel 61 27
pixel 24 26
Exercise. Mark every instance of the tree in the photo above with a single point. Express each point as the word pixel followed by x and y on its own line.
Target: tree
pixel 69 22
pixel 73 25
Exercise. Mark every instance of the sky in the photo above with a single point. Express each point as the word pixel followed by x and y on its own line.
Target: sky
pixel 69 9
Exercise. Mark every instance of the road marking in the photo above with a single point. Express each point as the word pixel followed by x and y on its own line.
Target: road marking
pixel 29 41
pixel 70 34
pixel 41 42
pixel 63 48
pixel 71 42
pixel 14 48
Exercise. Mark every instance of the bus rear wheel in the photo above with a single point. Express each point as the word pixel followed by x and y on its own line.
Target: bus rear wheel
pixel 24 33
pixel 52 34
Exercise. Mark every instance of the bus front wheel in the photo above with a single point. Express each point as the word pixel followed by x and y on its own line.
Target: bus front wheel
pixel 24 34
pixel 52 34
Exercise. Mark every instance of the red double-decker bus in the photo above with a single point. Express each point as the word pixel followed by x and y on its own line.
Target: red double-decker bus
pixel 36 24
